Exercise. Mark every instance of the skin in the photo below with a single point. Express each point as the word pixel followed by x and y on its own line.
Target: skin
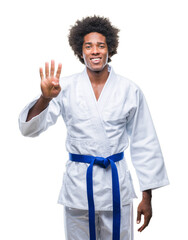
pixel 144 208
pixel 95 47
pixel 50 88
pixel 95 55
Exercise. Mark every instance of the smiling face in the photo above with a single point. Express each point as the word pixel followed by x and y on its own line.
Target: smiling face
pixel 95 51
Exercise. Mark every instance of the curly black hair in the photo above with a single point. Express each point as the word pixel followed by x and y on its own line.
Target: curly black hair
pixel 93 24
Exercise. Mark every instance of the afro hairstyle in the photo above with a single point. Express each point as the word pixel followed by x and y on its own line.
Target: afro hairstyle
pixel 93 24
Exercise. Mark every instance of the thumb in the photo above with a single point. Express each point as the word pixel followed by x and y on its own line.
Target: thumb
pixel 138 217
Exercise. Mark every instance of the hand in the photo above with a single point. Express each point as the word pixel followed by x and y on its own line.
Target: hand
pixel 144 208
pixel 50 84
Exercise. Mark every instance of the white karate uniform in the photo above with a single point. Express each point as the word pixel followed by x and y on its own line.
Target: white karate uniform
pixel 76 221
pixel 102 128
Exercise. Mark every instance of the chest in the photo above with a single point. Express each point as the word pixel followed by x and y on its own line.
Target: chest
pixel 88 106
pixel 97 89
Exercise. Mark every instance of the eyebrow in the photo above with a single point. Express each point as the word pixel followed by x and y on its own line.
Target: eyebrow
pixel 97 43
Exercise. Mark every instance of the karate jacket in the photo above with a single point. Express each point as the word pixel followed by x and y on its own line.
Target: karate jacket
pixel 102 128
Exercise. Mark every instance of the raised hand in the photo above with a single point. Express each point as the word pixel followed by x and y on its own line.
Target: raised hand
pixel 50 86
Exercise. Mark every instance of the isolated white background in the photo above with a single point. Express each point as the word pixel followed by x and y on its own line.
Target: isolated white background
pixel 153 52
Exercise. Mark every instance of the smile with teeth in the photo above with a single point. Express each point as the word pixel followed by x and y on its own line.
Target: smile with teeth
pixel 95 60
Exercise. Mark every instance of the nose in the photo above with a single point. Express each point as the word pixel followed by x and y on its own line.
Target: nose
pixel 95 50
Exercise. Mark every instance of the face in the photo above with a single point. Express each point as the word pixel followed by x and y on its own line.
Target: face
pixel 95 51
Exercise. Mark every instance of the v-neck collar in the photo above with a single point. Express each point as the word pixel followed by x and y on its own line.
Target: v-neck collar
pixel 95 107
pixel 102 94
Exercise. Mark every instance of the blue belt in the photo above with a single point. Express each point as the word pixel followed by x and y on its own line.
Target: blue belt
pixel 102 162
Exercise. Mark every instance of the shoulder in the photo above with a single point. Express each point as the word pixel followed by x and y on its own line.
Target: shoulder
pixel 127 84
pixel 131 91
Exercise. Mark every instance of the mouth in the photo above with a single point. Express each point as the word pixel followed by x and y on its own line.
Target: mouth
pixel 95 60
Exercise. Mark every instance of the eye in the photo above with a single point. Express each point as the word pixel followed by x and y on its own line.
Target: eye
pixel 87 46
pixel 101 46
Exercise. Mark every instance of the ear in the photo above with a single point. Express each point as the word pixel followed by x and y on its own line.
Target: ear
pixel 109 57
pixel 82 56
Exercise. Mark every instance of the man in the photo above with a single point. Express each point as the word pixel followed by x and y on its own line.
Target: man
pixel 102 111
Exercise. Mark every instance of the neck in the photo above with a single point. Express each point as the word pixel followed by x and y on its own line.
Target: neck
pixel 98 77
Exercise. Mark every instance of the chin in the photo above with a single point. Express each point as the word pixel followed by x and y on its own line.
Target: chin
pixel 96 68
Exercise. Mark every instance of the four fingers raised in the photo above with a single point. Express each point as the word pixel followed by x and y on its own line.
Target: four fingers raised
pixel 58 73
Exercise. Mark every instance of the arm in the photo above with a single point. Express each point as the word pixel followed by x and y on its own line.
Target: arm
pixel 145 150
pixel 145 208
pixel 39 106
pixel 50 88
pixel 146 156
pixel 42 112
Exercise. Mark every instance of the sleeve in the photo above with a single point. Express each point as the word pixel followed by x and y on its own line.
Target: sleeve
pixel 145 149
pixel 41 122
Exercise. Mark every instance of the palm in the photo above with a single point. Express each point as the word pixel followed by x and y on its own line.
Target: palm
pixel 49 90
pixel 50 84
